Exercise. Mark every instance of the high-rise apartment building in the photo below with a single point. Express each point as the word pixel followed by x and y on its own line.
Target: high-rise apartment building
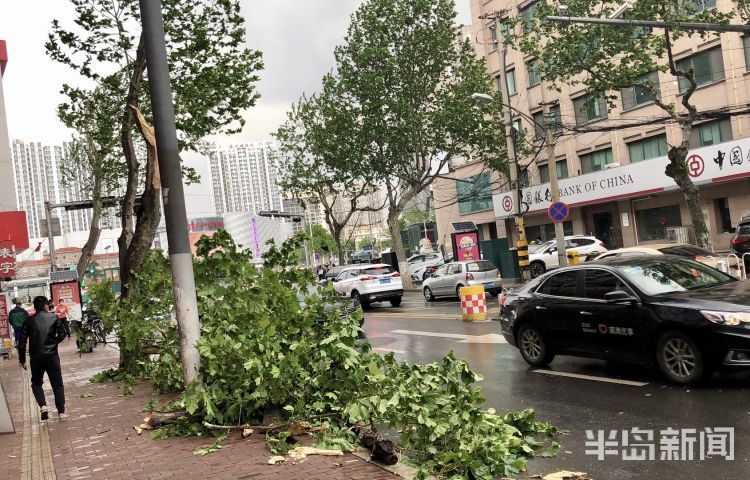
pixel 611 168
pixel 7 186
pixel 38 178
pixel 243 177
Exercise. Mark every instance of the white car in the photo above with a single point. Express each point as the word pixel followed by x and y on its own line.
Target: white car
pixel 418 265
pixel 370 283
pixel 545 257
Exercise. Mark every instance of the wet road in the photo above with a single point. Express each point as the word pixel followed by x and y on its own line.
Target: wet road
pixel 599 396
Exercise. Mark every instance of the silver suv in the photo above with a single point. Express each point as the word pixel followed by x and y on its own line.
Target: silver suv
pixel 448 279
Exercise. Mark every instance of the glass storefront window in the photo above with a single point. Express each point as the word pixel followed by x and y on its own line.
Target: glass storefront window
pixel 653 222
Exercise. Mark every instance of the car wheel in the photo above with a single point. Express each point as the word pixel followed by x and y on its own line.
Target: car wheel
pixel 532 346
pixel 458 290
pixel 537 269
pixel 679 358
pixel 428 294
pixel 395 301
pixel 357 298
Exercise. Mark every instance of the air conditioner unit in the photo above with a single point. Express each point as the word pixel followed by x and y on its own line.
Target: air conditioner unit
pixel 611 165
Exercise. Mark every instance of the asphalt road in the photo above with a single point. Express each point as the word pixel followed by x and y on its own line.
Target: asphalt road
pixel 600 396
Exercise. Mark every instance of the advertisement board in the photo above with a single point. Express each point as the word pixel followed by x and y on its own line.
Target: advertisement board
pixel 4 323
pixel 70 293
pixel 13 227
pixel 7 260
pixel 466 246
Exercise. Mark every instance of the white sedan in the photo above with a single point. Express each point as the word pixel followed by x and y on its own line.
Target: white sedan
pixel 370 283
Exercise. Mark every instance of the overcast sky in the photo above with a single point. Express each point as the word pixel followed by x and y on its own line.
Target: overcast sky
pixel 297 38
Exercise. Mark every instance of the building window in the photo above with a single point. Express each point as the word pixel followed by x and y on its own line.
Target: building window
pixel 533 68
pixel 543 173
pixel 517 131
pixel 638 95
pixel 562 171
pixel 746 44
pixel 653 222
pixel 589 109
pixel 711 133
pixel 539 126
pixel 474 194
pixel 510 77
pixel 700 6
pixel 595 161
pixel 648 148
pixel 527 15
pixel 708 67
pixel 723 215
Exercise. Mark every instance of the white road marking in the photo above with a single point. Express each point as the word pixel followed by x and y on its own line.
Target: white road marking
pixel 591 377
pixel 387 350
pixel 488 338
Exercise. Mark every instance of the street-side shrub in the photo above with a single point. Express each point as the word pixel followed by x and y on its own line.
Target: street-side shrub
pixel 271 343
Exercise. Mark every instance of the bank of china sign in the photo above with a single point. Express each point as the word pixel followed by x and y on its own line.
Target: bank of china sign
pixel 717 163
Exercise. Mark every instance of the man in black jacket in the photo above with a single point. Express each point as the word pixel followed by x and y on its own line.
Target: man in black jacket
pixel 44 332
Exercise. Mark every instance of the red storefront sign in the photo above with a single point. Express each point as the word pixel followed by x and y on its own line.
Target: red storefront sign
pixel 7 260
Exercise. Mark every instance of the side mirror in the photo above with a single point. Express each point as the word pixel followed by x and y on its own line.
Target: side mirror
pixel 618 296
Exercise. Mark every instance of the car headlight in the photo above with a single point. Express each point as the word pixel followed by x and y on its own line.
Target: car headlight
pixel 726 318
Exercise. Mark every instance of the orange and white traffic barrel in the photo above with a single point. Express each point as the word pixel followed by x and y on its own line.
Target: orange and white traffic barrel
pixel 473 303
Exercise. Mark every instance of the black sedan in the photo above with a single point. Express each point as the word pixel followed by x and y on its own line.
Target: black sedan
pixel 684 316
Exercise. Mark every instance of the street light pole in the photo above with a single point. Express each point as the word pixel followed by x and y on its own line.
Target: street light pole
pixel 562 256
pixel 521 242
pixel 50 236
pixel 173 197
pixel 616 22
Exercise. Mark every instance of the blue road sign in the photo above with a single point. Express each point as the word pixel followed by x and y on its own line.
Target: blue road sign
pixel 558 212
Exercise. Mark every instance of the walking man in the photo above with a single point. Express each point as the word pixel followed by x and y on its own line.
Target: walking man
pixel 17 317
pixel 43 332
pixel 62 313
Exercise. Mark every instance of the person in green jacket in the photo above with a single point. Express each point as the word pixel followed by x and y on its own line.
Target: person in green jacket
pixel 17 316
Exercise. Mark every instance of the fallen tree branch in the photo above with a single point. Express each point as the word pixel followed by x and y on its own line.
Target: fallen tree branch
pixel 302 423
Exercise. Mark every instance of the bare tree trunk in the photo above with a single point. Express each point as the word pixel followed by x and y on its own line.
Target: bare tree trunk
pixel 95 230
pixel 677 169
pixel 398 246
pixel 128 150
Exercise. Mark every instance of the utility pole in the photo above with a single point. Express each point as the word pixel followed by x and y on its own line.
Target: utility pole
pixel 173 197
pixel 562 256
pixel 523 249
pixel 50 236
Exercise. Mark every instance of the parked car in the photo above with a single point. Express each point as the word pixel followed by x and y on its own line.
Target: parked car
pixel 740 243
pixel 679 249
pixel 678 314
pixel 333 272
pixel 418 265
pixel 545 257
pixel 370 283
pixel 448 279
pixel 364 256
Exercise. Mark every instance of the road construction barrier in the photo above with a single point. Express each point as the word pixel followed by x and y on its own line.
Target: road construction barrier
pixel 573 257
pixel 473 303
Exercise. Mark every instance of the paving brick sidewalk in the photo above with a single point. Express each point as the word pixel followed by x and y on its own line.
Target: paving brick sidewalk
pixel 99 442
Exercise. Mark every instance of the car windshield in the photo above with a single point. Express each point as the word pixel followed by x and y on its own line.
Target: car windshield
pixel 670 275
pixel 539 247
pixel 743 229
pixel 686 251
pixel 379 270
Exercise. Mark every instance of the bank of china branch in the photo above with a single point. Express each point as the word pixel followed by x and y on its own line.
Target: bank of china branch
pixel 638 204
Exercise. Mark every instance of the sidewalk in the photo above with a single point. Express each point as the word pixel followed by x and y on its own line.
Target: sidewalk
pixel 98 440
